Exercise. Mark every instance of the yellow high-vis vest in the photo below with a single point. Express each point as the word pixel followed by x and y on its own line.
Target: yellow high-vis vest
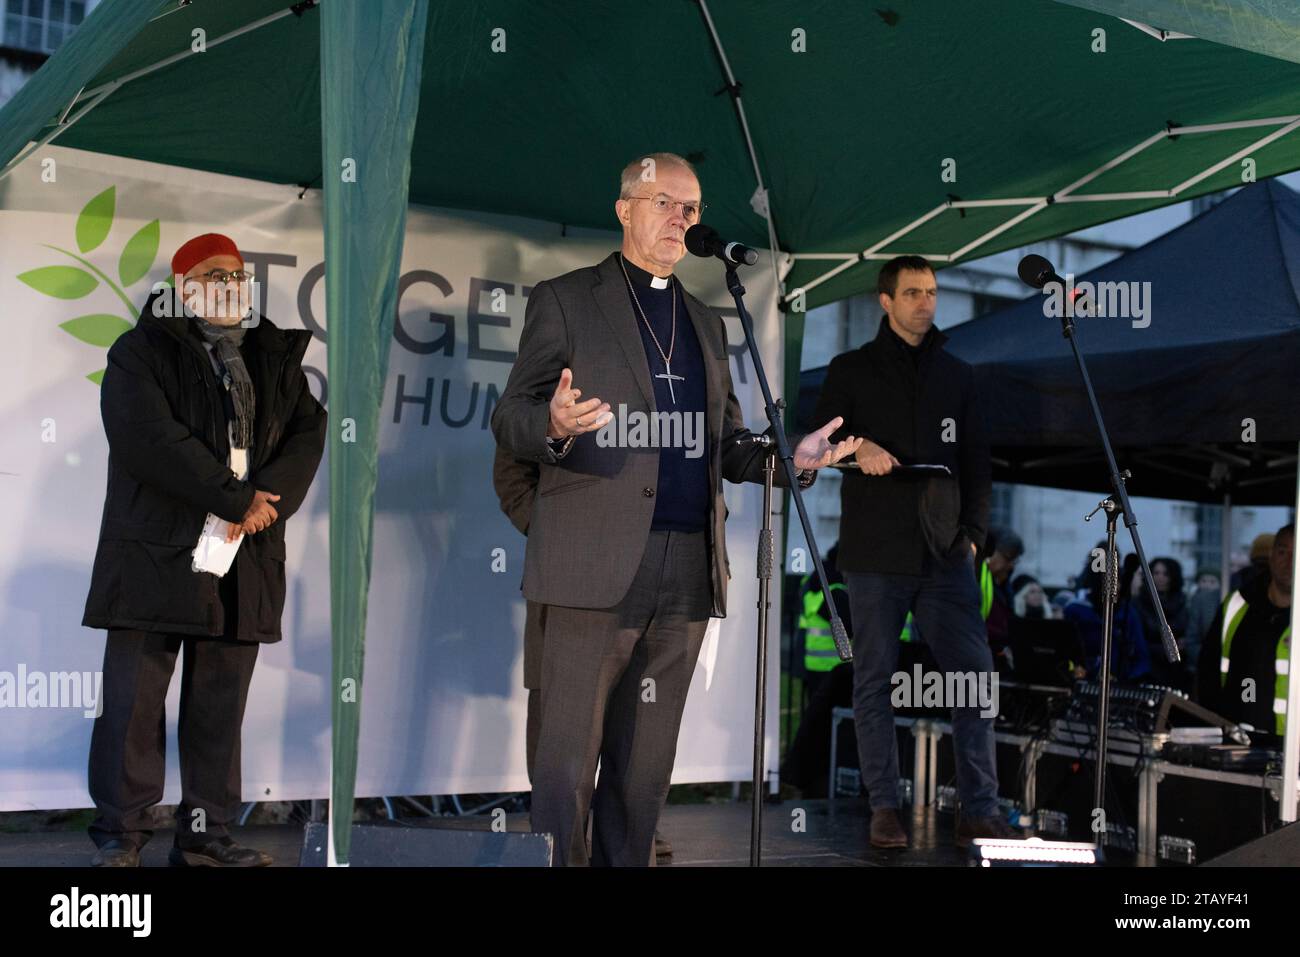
pixel 819 652
pixel 1234 610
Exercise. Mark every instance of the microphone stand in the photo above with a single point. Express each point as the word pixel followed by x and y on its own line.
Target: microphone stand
pixel 776 447
pixel 1114 506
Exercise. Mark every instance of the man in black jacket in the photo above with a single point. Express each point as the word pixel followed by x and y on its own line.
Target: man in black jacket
pixel 907 541
pixel 207 419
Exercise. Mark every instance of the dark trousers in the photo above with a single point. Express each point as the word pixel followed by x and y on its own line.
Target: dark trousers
pixel 808 762
pixel 945 602
pixel 614 683
pixel 128 745
pixel 534 635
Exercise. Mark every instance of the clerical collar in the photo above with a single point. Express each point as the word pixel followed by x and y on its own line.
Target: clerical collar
pixel 642 278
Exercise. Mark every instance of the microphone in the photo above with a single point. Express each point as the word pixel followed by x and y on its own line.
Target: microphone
pixel 1036 271
pixel 704 241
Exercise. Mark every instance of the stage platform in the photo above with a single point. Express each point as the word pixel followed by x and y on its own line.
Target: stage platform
pixel 702 835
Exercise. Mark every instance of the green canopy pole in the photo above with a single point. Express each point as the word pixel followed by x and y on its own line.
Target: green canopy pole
pixel 44 100
pixel 371 65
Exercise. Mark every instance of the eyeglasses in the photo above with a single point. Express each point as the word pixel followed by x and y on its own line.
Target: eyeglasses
pixel 662 204
pixel 224 275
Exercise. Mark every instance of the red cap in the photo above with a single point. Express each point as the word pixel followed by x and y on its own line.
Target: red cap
pixel 200 248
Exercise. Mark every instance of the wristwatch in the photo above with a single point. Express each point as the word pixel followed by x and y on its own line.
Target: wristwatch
pixel 560 447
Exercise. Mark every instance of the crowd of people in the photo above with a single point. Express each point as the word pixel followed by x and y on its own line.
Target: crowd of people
pixel 1234 644
pixel 1193 611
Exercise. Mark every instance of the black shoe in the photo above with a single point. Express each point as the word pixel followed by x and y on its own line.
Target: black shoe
pixel 887 829
pixel 116 853
pixel 968 829
pixel 220 853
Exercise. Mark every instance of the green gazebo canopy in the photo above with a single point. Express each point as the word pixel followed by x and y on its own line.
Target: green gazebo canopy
pixel 953 130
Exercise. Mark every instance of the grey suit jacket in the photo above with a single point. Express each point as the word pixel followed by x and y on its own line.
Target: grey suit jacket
pixel 515 481
pixel 592 513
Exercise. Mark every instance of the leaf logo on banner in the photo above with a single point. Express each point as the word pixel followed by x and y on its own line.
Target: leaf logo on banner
pixel 94 223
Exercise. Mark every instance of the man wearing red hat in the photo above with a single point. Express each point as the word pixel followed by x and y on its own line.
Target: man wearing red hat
pixel 213 441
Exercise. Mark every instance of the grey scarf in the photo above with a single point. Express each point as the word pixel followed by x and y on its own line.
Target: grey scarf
pixel 241 406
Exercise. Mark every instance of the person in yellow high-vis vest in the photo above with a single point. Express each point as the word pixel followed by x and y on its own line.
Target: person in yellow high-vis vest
pixel 820 656
pixel 986 590
pixel 1003 548
pixel 819 652
pixel 827 680
pixel 1245 661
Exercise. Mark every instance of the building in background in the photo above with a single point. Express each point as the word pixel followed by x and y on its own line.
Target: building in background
pixel 30 30
pixel 1049 520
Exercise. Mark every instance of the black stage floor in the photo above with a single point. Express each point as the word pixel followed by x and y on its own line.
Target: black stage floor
pixel 702 835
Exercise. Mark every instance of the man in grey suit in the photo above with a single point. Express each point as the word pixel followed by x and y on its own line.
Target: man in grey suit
pixel 515 482
pixel 626 546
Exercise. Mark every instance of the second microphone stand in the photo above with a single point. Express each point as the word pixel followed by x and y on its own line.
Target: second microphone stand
pixel 1116 505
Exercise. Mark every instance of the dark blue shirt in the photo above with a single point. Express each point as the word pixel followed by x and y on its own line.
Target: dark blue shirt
pixel 682 498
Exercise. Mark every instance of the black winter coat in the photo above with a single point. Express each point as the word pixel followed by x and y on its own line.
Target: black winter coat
pixel 903 403
pixel 168 447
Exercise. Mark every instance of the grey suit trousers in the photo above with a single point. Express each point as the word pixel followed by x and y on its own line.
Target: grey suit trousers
pixel 614 684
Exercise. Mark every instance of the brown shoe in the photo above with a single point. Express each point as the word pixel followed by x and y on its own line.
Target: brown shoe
pixel 663 849
pixel 887 828
pixel 116 853
pixel 968 829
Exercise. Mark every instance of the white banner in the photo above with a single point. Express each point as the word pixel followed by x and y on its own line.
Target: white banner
pixel 443 706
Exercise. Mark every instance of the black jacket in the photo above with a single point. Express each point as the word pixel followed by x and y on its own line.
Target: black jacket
pixel 902 403
pixel 167 451
pixel 1175 607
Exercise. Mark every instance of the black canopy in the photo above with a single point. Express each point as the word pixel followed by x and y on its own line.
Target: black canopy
pixel 1196 379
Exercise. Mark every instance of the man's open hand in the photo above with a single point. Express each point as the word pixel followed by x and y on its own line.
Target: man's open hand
pixel 571 417
pixel 815 451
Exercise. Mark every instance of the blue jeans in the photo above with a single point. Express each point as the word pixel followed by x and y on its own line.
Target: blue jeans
pixel 944 601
